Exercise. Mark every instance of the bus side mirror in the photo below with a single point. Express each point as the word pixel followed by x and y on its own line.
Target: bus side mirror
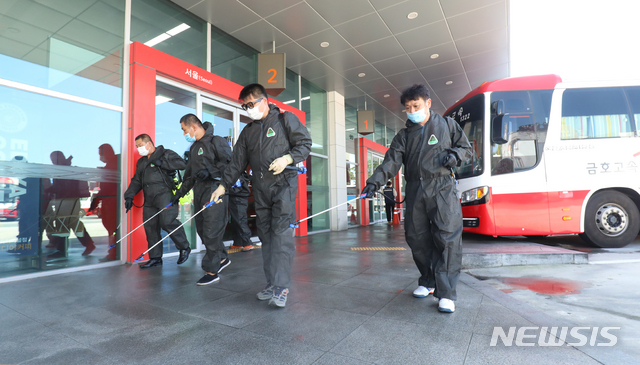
pixel 499 130
pixel 497 107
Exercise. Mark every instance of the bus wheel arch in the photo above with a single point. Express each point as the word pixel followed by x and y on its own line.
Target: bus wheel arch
pixel 612 218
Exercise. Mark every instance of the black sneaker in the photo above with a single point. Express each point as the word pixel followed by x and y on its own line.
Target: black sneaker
pixel 224 264
pixel 208 279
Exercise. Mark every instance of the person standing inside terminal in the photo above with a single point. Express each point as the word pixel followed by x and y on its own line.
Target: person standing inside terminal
pixel 430 147
pixel 153 177
pixel 389 200
pixel 208 158
pixel 238 204
pixel 273 141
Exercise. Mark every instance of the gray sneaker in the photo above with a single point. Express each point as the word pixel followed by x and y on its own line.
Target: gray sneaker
pixel 279 298
pixel 266 293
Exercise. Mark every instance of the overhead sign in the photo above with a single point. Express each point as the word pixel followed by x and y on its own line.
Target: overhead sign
pixel 365 121
pixel 272 72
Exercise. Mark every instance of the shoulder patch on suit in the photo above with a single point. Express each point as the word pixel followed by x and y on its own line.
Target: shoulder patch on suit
pixel 200 151
pixel 271 133
pixel 433 140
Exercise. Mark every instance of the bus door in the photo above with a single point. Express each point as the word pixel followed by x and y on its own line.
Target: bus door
pixel 518 180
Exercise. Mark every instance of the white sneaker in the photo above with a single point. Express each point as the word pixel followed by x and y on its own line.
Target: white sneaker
pixel 423 292
pixel 446 305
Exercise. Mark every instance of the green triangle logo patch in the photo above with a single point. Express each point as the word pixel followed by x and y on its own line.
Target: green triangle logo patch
pixel 270 133
pixel 200 151
pixel 433 140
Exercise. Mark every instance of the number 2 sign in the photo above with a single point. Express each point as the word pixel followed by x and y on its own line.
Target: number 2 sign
pixel 272 72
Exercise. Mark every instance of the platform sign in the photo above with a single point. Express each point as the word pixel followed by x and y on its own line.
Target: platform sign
pixel 365 121
pixel 272 72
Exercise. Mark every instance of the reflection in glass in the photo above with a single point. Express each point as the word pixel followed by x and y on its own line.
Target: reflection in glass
pixel 50 169
pixel 221 119
pixel 167 27
pixel 232 59
pixel 314 104
pixel 75 49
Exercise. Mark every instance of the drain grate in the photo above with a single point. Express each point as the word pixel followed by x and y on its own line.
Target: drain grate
pixel 378 249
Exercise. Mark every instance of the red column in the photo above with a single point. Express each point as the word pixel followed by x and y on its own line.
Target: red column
pixel 142 119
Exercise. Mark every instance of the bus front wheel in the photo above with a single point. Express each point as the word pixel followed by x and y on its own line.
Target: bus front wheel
pixel 611 220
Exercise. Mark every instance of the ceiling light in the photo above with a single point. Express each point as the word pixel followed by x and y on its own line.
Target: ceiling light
pixel 434 56
pixel 362 74
pixel 179 29
pixel 162 99
pixel 386 95
pixel 324 44
pixel 305 98
pixel 350 129
pixel 158 39
pixel 412 15
pixel 288 102
pixel 449 82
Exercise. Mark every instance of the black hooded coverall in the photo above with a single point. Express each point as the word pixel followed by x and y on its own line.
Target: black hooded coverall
pixel 433 225
pixel 213 154
pixel 157 187
pixel 238 204
pixel 260 143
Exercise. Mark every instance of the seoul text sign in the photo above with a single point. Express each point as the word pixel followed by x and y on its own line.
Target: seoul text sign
pixel 365 121
pixel 272 72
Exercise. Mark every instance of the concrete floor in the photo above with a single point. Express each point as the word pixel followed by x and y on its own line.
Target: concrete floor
pixel 345 307
pixel 603 293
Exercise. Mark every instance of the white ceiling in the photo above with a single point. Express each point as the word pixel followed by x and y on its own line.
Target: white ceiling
pixel 375 37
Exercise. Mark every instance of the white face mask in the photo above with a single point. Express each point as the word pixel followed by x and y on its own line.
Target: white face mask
pixel 255 113
pixel 143 151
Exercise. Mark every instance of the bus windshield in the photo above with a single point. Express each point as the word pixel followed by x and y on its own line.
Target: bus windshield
pixel 470 115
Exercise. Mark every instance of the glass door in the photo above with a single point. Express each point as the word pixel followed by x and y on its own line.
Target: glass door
pixel 172 102
pixel 376 204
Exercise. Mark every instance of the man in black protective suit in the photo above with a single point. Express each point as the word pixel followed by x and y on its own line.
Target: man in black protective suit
pixel 208 157
pixel 270 143
pixel 238 204
pixel 430 146
pixel 389 200
pixel 153 177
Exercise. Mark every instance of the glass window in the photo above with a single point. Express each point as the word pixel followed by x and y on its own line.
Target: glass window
pixel 380 133
pixel 60 178
pixel 470 115
pixel 75 50
pixel 633 95
pixel 314 104
pixel 317 192
pixel 221 119
pixel 167 27
pixel 595 113
pixel 290 95
pixel 524 126
pixel 390 134
pixel 233 60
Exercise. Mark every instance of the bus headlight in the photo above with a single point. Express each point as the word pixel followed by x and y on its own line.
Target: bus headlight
pixel 474 196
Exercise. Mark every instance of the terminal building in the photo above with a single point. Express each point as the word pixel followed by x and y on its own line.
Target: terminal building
pixel 79 80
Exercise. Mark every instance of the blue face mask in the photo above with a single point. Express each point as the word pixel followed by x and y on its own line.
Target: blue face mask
pixel 418 116
pixel 189 139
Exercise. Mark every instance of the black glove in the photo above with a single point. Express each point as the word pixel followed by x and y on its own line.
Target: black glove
pixel 369 190
pixel 128 204
pixel 203 174
pixel 450 161
pixel 157 162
